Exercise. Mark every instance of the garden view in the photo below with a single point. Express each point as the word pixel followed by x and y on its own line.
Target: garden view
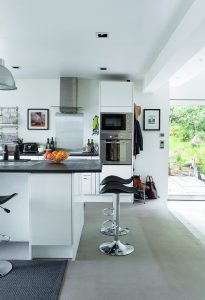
pixel 187 140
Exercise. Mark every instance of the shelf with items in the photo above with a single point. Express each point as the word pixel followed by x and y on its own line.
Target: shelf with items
pixel 8 125
pixel 8 116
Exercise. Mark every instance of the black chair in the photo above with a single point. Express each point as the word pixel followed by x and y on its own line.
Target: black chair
pixel 5 266
pixel 117 248
pixel 108 226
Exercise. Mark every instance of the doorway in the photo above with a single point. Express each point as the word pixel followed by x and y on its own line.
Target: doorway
pixel 186 151
pixel 186 186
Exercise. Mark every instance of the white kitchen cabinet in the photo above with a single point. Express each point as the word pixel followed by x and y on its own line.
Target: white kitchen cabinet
pixel 115 93
pixel 86 187
pixel 89 183
pixel 51 209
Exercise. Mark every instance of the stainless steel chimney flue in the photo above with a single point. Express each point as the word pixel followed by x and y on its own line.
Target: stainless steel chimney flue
pixel 69 95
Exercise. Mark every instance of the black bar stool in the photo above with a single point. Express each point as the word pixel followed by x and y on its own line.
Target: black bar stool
pixel 108 226
pixel 117 248
pixel 5 266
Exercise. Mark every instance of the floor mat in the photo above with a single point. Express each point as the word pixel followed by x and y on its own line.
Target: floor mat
pixel 35 279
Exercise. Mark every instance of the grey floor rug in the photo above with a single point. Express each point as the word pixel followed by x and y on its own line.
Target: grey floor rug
pixel 37 279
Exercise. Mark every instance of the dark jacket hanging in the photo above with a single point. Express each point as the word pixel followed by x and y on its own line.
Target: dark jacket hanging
pixel 138 139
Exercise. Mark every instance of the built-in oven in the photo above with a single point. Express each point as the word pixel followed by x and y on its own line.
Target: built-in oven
pixel 116 121
pixel 116 149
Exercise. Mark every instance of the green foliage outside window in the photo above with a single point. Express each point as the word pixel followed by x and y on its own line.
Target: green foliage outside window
pixel 187 135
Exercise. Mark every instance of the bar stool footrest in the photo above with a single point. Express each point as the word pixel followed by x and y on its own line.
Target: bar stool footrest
pixel 111 230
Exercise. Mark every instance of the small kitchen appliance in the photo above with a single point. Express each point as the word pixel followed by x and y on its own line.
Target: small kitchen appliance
pixel 30 148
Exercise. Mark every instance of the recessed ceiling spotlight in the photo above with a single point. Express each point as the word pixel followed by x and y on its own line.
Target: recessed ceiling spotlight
pixel 200 59
pixel 102 35
pixel 16 67
pixel 103 69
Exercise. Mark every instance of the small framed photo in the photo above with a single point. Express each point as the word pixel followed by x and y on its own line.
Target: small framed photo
pixel 37 119
pixel 151 119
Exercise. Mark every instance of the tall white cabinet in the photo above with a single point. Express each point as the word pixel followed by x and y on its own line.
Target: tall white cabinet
pixel 117 96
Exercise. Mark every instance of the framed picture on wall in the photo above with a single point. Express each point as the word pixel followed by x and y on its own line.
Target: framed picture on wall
pixel 151 119
pixel 37 119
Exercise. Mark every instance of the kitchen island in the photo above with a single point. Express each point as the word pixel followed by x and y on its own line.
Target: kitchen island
pixel 47 215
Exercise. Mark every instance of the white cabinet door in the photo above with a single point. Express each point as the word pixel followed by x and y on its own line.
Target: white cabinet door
pixel 116 93
pixel 86 188
pixel 51 209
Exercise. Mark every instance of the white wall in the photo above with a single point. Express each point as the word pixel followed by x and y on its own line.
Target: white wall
pixel 45 93
pixel 193 89
pixel 153 160
pixel 33 93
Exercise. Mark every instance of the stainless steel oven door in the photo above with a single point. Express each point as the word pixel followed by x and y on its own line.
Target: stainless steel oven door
pixel 116 152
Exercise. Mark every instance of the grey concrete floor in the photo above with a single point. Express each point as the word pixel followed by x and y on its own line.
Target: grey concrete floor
pixel 168 262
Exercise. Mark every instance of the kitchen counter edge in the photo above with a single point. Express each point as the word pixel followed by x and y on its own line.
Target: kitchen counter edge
pixel 68 166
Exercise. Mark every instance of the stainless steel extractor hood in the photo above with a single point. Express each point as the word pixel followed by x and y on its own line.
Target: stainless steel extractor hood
pixel 69 95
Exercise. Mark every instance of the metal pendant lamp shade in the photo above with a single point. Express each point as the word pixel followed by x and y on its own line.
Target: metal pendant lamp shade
pixel 6 78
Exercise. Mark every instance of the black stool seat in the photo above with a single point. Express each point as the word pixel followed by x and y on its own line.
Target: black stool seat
pixel 117 188
pixel 116 179
pixel 4 199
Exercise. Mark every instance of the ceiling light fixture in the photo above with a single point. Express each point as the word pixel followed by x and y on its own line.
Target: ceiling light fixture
pixel 6 78
pixel 16 67
pixel 102 35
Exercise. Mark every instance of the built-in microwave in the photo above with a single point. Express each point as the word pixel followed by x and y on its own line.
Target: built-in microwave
pixel 116 121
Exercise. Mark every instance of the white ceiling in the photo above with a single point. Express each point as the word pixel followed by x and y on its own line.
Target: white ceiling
pixel 190 70
pixel 50 38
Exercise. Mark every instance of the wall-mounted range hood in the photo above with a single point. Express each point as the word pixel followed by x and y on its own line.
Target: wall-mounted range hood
pixel 69 95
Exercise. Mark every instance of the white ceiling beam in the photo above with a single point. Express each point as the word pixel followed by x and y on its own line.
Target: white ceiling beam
pixel 186 41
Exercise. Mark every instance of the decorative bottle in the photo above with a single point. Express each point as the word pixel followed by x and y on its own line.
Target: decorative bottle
pixel 5 153
pixel 16 153
pixel 52 144
pixel 48 145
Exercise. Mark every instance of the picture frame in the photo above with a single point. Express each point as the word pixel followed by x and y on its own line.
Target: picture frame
pixel 37 119
pixel 151 119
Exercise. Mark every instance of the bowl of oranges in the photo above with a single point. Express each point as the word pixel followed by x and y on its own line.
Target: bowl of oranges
pixel 56 156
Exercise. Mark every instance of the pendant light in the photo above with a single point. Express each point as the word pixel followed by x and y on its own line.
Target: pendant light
pixel 6 78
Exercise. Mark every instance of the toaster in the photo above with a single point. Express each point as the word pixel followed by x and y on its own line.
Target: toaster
pixel 30 148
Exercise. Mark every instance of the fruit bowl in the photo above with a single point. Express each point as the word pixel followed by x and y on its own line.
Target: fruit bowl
pixel 56 156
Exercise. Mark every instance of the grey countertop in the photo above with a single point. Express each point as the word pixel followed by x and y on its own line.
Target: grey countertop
pixel 67 166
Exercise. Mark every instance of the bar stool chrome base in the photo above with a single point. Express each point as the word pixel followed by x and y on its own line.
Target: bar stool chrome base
pixel 5 267
pixel 111 230
pixel 116 248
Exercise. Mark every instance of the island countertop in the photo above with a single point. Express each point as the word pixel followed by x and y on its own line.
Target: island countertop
pixel 67 166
